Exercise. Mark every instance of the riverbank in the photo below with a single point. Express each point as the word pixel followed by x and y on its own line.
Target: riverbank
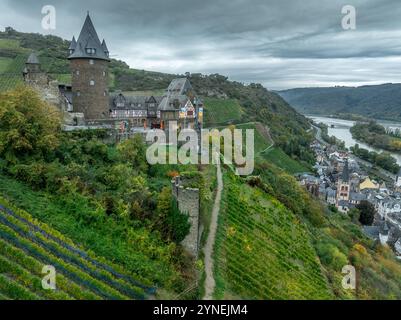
pixel 351 117
pixel 377 136
pixel 343 116
pixel 372 170
pixel 340 129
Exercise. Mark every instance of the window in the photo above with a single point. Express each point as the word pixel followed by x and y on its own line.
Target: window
pixel 90 50
pixel 104 73
pixel 77 72
pixel 91 61
pixel 78 93
pixel 92 82
pixel 105 93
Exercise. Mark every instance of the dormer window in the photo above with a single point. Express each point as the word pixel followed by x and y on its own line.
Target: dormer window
pixel 90 50
pixel 71 51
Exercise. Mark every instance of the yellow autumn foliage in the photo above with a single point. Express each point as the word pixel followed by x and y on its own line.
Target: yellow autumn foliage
pixel 28 125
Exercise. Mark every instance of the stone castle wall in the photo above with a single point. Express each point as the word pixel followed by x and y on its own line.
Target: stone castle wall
pixel 189 203
pixel 91 100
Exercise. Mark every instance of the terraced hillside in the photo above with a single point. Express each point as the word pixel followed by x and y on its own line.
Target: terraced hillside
pixel 26 245
pixel 12 61
pixel 283 161
pixel 262 249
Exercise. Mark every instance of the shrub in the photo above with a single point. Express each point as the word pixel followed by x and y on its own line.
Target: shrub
pixel 28 126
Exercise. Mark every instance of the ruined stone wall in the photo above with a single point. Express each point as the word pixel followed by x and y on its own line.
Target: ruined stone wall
pixel 189 203
pixel 38 78
pixel 48 91
pixel 91 100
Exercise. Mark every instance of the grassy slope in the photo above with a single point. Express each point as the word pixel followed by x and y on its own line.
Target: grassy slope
pixel 283 161
pixel 260 143
pixel 4 63
pixel 12 59
pixel 11 71
pixel 219 111
pixel 9 44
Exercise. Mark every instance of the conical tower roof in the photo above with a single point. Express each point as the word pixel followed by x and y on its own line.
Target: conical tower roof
pixel 104 46
pixel 88 39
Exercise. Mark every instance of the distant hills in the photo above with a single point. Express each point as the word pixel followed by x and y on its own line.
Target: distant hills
pixel 376 101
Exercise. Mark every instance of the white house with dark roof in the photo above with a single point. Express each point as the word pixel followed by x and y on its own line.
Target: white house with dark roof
pixel 355 198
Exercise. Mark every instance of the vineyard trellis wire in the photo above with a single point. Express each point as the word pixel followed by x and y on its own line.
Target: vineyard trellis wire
pixel 264 252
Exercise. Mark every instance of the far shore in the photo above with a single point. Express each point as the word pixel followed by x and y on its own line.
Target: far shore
pixel 351 118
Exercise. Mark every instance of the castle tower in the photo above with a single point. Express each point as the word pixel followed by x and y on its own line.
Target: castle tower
pixel 188 200
pixel 33 74
pixel 89 59
pixel 343 185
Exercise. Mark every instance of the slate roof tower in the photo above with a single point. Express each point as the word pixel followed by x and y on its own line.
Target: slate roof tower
pixel 343 185
pixel 89 59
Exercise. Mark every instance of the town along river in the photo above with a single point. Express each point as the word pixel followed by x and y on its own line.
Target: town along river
pixel 341 130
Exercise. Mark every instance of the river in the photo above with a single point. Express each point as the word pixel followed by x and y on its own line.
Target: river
pixel 341 129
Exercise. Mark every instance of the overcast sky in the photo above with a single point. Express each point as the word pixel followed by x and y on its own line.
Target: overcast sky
pixel 279 43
